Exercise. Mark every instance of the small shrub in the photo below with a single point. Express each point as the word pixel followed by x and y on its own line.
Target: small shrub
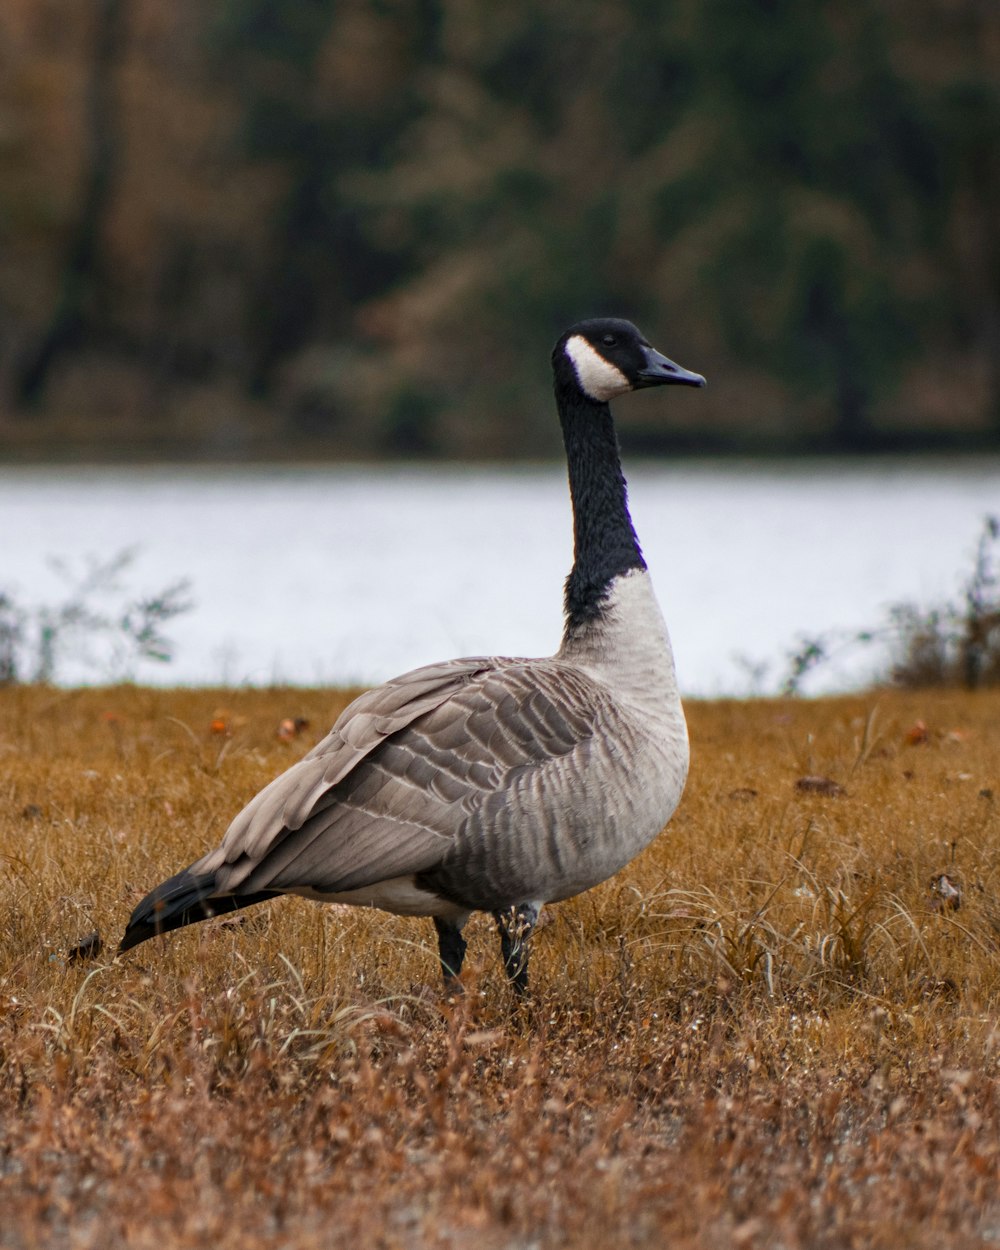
pixel 97 621
pixel 951 644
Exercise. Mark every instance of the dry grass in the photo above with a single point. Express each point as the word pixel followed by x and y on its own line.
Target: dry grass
pixel 774 1030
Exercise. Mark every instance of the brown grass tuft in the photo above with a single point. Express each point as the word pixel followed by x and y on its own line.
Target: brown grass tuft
pixel 777 1028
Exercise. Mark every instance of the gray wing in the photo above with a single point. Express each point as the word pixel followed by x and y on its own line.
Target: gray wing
pixel 402 773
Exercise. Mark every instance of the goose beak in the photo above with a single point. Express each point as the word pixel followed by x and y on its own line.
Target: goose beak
pixel 659 371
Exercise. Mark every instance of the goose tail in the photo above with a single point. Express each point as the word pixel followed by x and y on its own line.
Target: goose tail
pixel 182 900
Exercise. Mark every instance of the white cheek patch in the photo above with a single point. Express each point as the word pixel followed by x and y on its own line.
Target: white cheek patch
pixel 598 378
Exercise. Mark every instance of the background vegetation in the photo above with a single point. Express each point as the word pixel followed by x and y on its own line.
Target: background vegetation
pixel 354 227
pixel 777 1027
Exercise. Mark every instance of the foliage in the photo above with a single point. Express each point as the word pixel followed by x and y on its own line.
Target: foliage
pixel 777 1027
pixel 96 622
pixel 951 644
pixel 356 227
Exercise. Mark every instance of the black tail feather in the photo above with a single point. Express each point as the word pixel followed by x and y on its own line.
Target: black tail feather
pixel 183 900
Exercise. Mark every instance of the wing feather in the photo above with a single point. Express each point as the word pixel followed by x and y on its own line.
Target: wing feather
pixel 404 772
pixel 288 802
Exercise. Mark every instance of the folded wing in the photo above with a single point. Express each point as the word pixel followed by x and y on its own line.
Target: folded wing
pixel 403 772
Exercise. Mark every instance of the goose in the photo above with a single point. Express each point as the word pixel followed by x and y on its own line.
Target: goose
pixel 490 783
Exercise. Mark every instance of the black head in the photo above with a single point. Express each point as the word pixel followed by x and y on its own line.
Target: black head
pixel 606 357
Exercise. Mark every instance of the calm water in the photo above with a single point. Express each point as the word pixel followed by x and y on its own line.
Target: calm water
pixel 352 575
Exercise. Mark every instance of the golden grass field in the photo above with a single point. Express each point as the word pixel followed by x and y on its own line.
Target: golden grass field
pixel 775 1029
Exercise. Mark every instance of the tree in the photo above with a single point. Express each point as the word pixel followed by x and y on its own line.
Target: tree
pixel 79 310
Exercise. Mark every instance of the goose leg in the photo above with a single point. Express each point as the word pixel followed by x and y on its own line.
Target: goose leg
pixel 515 925
pixel 451 952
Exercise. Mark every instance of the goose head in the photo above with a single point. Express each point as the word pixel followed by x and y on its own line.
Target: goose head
pixel 606 357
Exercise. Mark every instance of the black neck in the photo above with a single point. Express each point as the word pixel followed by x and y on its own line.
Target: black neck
pixel 605 544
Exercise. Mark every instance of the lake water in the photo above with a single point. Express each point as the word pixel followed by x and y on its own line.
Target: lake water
pixel 345 575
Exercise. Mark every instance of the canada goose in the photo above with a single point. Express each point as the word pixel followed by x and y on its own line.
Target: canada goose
pixel 487 784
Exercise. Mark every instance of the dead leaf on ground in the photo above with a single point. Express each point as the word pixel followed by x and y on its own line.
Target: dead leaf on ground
pixel 88 947
pixel 820 785
pixel 947 893
pixel 225 723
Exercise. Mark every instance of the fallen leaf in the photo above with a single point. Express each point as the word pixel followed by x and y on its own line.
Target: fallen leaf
pixel 820 785
pixel 88 947
pixel 947 893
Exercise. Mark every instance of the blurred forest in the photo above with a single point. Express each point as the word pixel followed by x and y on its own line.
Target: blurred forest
pixel 355 227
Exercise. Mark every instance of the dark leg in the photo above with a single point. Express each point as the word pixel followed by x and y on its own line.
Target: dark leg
pixel 451 950
pixel 515 925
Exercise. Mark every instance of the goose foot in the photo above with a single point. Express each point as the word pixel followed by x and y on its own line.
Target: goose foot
pixel 515 925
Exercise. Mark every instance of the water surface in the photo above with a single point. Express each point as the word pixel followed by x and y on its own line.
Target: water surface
pixel 344 575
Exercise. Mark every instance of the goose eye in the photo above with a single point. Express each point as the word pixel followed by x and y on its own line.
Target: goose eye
pixel 609 340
